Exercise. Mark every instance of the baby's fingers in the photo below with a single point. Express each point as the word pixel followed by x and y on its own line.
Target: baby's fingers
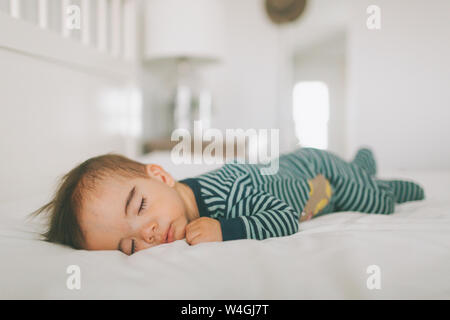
pixel 191 234
pixel 192 225
pixel 196 240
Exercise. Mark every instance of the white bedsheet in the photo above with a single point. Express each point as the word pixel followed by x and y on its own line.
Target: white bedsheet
pixel 328 258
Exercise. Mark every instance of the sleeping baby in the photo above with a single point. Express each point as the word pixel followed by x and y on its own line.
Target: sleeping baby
pixel 111 202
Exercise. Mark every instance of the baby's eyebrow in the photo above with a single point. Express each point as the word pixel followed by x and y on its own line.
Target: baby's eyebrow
pixel 130 196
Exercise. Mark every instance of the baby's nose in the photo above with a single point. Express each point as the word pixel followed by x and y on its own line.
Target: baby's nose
pixel 150 232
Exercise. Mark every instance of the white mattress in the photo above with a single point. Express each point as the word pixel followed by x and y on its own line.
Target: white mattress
pixel 328 258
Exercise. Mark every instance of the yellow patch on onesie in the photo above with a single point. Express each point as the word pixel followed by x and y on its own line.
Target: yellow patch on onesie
pixel 319 197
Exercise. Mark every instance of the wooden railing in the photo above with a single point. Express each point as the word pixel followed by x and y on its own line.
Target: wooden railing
pixel 107 26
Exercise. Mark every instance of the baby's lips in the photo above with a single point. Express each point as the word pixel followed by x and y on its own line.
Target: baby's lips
pixel 168 237
pixel 170 234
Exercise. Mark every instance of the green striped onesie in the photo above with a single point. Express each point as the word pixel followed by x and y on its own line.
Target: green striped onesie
pixel 250 205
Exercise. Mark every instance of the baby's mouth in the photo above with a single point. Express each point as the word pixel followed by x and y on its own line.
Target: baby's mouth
pixel 169 235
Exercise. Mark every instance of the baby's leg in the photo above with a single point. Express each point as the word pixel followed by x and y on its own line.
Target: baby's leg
pixel 365 160
pixel 353 196
pixel 334 168
pixel 354 185
pixel 404 190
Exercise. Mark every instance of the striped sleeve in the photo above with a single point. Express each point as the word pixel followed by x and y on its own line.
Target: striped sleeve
pixel 265 217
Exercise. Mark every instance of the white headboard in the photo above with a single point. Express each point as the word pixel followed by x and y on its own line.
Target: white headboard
pixel 65 95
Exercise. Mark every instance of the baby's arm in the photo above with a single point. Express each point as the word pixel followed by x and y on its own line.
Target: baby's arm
pixel 259 216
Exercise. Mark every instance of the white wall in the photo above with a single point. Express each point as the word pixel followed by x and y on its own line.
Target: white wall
pixel 53 117
pixel 399 79
pixel 62 103
pixel 246 83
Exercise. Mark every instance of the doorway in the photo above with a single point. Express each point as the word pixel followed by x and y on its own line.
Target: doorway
pixel 319 104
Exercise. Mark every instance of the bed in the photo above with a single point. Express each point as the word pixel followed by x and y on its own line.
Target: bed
pixel 88 104
pixel 332 257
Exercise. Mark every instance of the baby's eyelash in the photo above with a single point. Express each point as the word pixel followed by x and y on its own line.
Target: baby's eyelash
pixel 133 246
pixel 143 204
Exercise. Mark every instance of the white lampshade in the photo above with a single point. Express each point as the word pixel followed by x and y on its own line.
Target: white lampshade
pixel 184 29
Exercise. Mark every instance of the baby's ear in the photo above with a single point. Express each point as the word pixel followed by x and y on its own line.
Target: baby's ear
pixel 150 168
pixel 156 171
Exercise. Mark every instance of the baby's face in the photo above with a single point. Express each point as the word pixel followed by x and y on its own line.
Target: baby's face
pixel 131 214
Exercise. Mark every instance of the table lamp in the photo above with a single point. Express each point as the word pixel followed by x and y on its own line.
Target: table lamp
pixel 188 34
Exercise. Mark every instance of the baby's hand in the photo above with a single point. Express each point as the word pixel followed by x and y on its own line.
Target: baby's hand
pixel 203 229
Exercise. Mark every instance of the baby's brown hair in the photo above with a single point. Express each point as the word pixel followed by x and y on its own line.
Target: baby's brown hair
pixel 63 210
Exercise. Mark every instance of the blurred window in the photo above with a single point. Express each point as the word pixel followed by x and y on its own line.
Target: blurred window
pixel 311 110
